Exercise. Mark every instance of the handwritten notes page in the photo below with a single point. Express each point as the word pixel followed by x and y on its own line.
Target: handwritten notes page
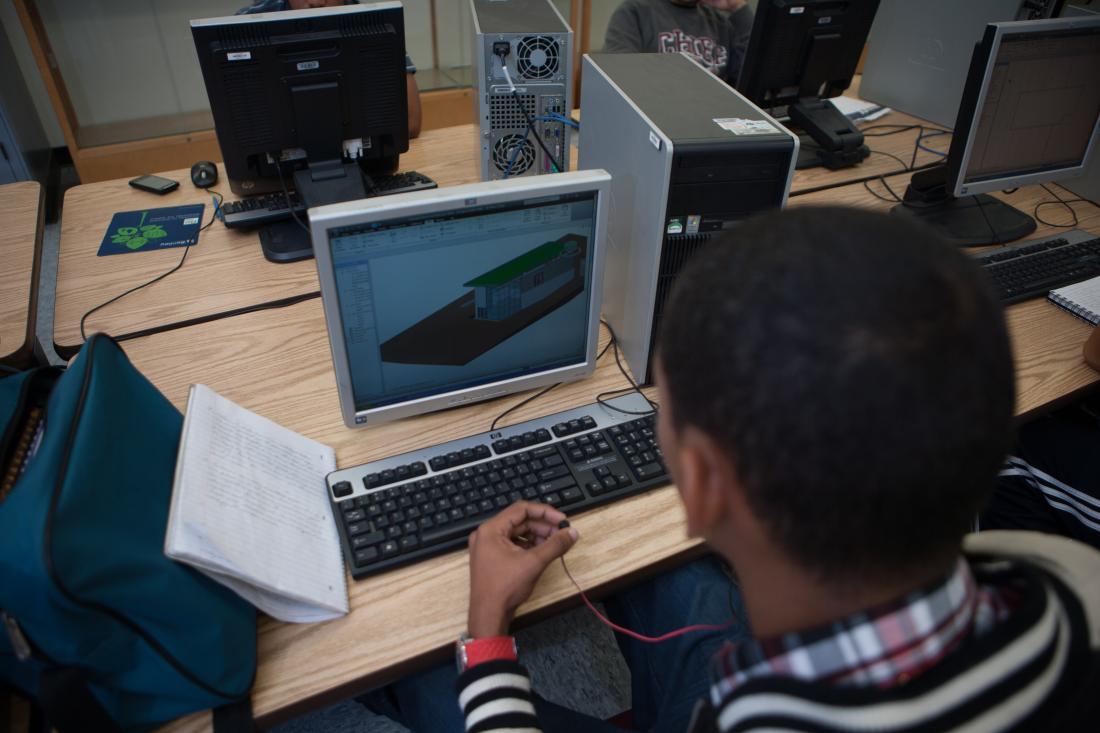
pixel 249 509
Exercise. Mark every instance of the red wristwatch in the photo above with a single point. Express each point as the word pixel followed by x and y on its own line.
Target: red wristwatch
pixel 472 652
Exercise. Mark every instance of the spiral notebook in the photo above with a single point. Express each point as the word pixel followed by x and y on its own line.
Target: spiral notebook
pixel 1081 299
pixel 249 509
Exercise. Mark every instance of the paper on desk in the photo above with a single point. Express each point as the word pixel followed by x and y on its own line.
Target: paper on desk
pixel 859 110
pixel 249 509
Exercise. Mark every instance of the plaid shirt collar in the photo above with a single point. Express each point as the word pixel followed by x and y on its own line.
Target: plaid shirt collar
pixel 883 647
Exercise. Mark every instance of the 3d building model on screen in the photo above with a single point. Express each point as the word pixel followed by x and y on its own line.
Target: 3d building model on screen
pixel 501 303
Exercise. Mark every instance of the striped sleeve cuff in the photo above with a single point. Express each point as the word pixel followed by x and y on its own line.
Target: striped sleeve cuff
pixel 496 696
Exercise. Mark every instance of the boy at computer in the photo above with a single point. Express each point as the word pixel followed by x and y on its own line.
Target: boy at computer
pixel 412 91
pixel 836 392
pixel 713 32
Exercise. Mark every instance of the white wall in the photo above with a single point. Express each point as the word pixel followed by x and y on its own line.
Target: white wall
pixel 29 69
pixel 132 59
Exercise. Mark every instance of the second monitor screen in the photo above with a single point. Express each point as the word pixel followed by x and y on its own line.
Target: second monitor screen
pixel 1040 107
pixel 463 298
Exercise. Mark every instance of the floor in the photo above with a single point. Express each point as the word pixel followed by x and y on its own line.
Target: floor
pixel 572 658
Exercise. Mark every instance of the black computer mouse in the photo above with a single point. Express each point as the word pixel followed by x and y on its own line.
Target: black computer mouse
pixel 204 174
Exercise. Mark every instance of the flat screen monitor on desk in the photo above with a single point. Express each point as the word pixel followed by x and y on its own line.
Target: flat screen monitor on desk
pixel 440 298
pixel 310 100
pixel 799 55
pixel 1030 114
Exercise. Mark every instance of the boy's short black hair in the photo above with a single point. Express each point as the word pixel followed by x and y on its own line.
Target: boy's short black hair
pixel 859 373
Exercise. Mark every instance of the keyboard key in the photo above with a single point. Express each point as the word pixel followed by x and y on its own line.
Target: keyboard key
pixel 648 471
pixel 544 451
pixel 403 473
pixel 366 556
pixel 571 496
pixel 358 528
pixel 552 473
pixel 439 463
pixel 347 505
pixel 549 487
pixel 418 469
pixel 355 515
pixel 595 488
pixel 409 543
pixel 561 430
pixel 481 451
pixel 372 481
pixel 587 423
pixel 341 488
pixel 388 548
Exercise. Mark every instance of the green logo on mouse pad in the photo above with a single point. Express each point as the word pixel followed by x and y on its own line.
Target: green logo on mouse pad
pixel 147 230
pixel 136 237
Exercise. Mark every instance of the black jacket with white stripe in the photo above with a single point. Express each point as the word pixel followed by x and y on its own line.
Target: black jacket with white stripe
pixel 1037 670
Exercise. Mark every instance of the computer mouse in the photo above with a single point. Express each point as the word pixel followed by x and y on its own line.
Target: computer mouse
pixel 204 174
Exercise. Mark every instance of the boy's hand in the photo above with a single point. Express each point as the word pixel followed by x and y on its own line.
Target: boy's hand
pixel 507 556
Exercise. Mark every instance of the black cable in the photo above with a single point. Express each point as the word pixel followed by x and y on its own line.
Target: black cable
pixel 532 398
pixel 528 400
pixel 286 194
pixel 880 197
pixel 891 155
pixel 1058 201
pixel 602 397
pixel 988 223
pixel 158 278
pixel 538 137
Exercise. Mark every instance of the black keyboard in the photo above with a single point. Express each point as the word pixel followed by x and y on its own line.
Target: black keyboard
pixel 1032 269
pixel 419 504
pixel 272 207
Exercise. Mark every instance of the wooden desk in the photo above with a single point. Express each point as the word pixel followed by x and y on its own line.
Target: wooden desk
pixel 278 364
pixel 226 272
pixel 21 253
pixel 1046 340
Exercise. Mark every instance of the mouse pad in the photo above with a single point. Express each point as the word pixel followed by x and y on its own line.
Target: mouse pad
pixel 150 229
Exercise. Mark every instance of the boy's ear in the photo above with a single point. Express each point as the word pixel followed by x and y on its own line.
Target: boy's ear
pixel 705 482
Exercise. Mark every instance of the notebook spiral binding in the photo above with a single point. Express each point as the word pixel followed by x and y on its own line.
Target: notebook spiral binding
pixel 1076 309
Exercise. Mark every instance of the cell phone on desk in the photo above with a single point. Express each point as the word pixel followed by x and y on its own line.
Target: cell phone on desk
pixel 155 184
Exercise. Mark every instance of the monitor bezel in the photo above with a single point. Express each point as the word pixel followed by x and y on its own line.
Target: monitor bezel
pixel 424 203
pixel 966 126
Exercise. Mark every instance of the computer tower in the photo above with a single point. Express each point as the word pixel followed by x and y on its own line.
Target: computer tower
pixel 689 157
pixel 918 53
pixel 539 58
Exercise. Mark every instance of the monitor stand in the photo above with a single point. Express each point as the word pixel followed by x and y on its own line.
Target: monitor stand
pixel 831 139
pixel 970 221
pixel 328 182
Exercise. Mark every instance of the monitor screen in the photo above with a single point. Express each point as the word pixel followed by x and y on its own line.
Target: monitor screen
pixel 465 297
pixel 1040 107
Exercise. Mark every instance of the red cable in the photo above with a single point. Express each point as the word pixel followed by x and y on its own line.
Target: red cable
pixel 635 634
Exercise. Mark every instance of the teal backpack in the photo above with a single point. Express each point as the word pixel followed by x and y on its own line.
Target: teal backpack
pixel 100 628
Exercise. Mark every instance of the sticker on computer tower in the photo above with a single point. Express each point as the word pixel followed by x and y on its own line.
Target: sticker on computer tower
pixel 238 56
pixel 742 126
pixel 693 224
pixel 675 226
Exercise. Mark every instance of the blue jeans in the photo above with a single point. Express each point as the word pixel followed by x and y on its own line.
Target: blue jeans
pixel 666 679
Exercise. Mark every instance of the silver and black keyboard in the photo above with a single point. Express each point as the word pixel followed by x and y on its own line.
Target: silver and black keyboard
pixel 1034 268
pixel 415 505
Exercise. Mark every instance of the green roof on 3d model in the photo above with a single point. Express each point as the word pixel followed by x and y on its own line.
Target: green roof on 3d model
pixel 514 268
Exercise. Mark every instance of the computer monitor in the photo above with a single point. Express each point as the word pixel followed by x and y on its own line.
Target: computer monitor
pixel 308 100
pixel 800 54
pixel 440 298
pixel 1029 114
pixel 918 53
